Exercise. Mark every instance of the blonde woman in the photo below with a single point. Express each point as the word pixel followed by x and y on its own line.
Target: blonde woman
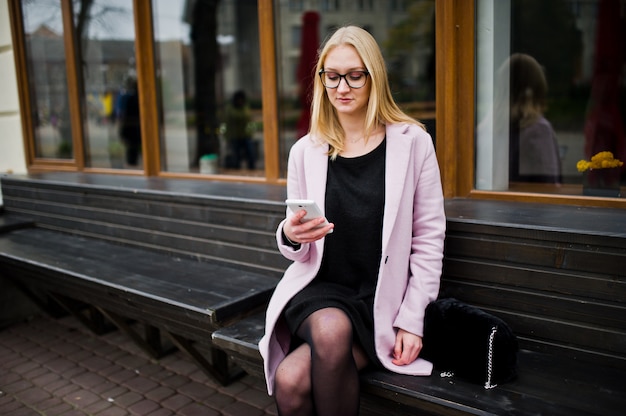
pixel 354 297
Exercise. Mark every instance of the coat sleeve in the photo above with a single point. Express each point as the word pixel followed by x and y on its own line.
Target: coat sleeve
pixel 295 190
pixel 428 234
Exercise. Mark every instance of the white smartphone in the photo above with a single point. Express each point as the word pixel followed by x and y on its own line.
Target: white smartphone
pixel 311 208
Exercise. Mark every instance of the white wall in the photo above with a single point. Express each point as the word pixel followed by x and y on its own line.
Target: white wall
pixel 12 157
pixel 492 134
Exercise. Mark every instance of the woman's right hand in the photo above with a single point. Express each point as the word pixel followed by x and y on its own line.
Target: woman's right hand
pixel 305 232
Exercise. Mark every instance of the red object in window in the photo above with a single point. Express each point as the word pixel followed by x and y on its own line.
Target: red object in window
pixel 309 45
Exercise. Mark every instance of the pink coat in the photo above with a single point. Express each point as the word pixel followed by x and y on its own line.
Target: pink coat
pixel 412 244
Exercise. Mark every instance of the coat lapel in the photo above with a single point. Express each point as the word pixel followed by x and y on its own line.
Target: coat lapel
pixel 315 172
pixel 396 168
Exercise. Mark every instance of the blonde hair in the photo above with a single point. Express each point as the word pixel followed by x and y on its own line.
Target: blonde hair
pixel 381 107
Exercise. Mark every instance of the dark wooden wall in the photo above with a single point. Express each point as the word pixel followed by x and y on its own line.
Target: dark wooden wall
pixel 557 275
pixel 232 230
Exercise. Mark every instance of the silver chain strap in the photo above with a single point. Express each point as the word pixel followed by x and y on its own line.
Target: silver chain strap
pixel 488 384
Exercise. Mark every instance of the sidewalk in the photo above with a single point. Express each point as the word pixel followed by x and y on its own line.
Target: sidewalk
pixel 56 367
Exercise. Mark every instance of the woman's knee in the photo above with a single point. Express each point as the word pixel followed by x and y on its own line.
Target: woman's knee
pixel 293 379
pixel 331 332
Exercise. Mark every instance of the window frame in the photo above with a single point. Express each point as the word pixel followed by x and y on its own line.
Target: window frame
pixel 455 98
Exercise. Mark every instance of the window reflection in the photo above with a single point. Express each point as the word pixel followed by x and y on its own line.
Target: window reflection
pixel 578 48
pixel 47 76
pixel 405 30
pixel 207 55
pixel 105 34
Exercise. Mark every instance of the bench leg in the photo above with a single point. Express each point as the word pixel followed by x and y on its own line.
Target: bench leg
pixel 217 368
pixel 150 343
pixel 86 314
pixel 44 301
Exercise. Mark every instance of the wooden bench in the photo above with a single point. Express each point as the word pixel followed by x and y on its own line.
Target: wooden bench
pixel 166 267
pixel 555 274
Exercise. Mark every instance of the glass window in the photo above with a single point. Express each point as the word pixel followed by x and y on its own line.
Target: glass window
pixel 407 38
pixel 550 92
pixel 208 74
pixel 47 77
pixel 105 34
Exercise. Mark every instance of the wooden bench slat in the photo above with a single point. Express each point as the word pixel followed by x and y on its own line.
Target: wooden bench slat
pixel 547 384
pixel 546 280
pixel 147 274
pixel 10 222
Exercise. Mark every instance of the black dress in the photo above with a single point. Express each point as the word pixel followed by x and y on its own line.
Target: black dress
pixel 355 199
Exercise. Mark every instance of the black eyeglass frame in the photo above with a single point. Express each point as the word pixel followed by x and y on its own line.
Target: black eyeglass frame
pixel 322 72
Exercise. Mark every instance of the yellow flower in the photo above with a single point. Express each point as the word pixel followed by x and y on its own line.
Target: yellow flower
pixel 601 160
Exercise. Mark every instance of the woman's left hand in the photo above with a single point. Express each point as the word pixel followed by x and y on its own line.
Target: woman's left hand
pixel 406 348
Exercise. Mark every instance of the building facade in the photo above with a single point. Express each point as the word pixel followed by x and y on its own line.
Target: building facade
pixel 514 92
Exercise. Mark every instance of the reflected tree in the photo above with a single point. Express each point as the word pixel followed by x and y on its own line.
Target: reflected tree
pixel 410 50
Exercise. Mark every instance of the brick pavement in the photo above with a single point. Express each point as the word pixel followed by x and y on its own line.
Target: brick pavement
pixel 56 367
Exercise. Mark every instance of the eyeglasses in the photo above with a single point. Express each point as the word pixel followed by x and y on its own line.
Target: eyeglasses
pixel 354 79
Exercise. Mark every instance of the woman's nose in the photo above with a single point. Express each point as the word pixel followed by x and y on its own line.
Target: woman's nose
pixel 343 85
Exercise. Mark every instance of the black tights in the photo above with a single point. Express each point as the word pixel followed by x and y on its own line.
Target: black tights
pixel 320 377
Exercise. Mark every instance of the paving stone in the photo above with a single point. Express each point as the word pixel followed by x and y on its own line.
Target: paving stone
pixel 8 377
pixel 96 364
pixel 143 407
pixel 198 392
pixel 50 403
pixel 80 356
pixel 13 361
pixel 81 398
pixel 140 384
pixel 160 393
pixel 89 381
pixel 176 401
pixel 241 409
pixel 53 386
pixel 74 372
pixel 97 407
pixel 60 365
pixel 25 367
pixel 32 395
pixel 149 369
pixel 39 371
pixel 8 404
pixel 67 390
pixel 104 387
pixel 256 398
pixel 45 357
pixel 61 409
pixel 196 409
pixel 271 410
pixel 127 399
pixel 175 381
pixel 17 386
pixel 180 366
pixel 22 411
pixel 161 412
pixel 219 401
pixel 233 389
pixel 122 376
pixel 113 411
pixel 132 362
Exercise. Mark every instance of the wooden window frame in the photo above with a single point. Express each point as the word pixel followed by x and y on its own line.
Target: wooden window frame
pixel 455 112
pixel 455 103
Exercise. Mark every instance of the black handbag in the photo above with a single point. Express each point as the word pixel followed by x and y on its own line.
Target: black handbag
pixel 469 343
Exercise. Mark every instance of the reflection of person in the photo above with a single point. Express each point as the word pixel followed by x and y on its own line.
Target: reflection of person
pixel 130 126
pixel 533 149
pixel 374 172
pixel 238 121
